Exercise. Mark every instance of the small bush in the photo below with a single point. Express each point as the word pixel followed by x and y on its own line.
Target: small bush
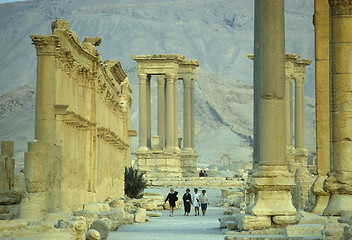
pixel 134 183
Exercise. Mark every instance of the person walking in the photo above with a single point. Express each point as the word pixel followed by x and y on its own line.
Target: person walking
pixel 172 197
pixel 196 196
pixel 187 201
pixel 204 202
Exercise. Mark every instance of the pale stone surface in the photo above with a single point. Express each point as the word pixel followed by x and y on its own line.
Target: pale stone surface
pixel 223 220
pixel 7 166
pixel 247 222
pixel 231 225
pixel 284 220
pixel 305 230
pixel 92 234
pixel 101 227
pixel 140 215
pixel 97 207
pixel 72 80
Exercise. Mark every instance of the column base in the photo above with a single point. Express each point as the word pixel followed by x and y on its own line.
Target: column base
pixel 300 191
pixel 272 187
pixel 322 197
pixel 339 184
pixel 189 162
pixel 337 204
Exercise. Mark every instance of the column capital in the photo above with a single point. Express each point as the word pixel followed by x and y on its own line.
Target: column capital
pixel 300 79
pixel 142 77
pixel 288 77
pixel 341 7
pixel 45 45
pixel 161 80
pixel 187 81
pixel 170 77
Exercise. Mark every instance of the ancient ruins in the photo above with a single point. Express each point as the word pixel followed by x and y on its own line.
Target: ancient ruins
pixel 165 158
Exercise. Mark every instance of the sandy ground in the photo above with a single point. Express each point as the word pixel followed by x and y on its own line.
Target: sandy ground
pixel 179 226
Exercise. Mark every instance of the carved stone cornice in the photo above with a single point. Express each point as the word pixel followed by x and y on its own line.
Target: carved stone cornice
pixel 341 7
pixel 45 45
pixel 111 138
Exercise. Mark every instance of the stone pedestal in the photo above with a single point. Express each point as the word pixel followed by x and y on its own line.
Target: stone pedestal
pixel 159 164
pixel 189 163
pixel 271 186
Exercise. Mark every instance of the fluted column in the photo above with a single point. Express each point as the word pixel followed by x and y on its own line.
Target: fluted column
pixel 143 113
pixel 187 115
pixel 161 106
pixel 176 114
pixel 271 182
pixel 46 85
pixel 193 141
pixel 301 151
pixel 322 109
pixel 170 105
pixel 339 182
pixel 288 94
pixel 149 124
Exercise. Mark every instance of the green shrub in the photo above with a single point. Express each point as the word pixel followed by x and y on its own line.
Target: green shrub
pixel 134 183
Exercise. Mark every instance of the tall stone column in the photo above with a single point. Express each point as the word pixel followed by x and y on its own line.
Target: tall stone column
pixel 149 124
pixel 271 181
pixel 322 106
pixel 161 107
pixel 193 141
pixel 143 113
pixel 301 151
pixel 187 121
pixel 176 114
pixel 290 150
pixel 170 105
pixel 339 181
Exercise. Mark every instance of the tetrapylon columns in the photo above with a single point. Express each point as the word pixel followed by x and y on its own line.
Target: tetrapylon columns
pixel 161 107
pixel 143 113
pixel 170 113
pixel 187 115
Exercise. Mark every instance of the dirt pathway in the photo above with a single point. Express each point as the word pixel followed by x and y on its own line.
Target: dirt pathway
pixel 179 226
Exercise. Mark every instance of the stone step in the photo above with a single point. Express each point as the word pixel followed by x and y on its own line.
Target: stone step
pixel 264 237
pixel 305 230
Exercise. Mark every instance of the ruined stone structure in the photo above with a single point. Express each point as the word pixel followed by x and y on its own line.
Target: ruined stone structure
pixel 295 71
pixel 82 126
pixel 165 158
pixel 7 166
pixel 339 181
pixel 271 182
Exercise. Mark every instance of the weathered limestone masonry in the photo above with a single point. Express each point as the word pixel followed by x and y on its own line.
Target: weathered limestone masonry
pixel 7 166
pixel 81 129
pixel 339 181
pixel 165 158
pixel 271 181
pixel 322 111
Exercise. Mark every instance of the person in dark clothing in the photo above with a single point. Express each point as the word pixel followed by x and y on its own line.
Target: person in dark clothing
pixel 187 201
pixel 172 197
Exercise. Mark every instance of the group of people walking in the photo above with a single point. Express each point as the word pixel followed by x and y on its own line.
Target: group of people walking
pixel 197 200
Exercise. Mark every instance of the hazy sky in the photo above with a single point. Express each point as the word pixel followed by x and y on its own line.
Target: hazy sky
pixel 5 1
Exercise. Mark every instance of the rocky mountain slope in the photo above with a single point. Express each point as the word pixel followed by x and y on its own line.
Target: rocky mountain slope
pixel 219 33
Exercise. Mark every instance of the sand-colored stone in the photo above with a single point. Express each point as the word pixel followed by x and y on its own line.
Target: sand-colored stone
pixel 74 138
pixel 7 166
pixel 169 68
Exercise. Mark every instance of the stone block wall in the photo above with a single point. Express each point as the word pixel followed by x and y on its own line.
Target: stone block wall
pixel 82 127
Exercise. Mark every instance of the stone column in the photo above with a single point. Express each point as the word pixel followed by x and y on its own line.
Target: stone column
pixel 322 107
pixel 339 181
pixel 271 181
pixel 161 107
pixel 170 105
pixel 7 166
pixel 176 115
pixel 143 113
pixel 187 121
pixel 290 150
pixel 149 124
pixel 193 141
pixel 46 84
pixel 301 151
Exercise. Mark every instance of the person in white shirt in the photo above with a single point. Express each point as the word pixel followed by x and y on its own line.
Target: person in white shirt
pixel 196 196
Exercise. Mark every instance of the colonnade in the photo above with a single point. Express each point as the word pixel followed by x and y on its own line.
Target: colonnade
pixel 165 155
